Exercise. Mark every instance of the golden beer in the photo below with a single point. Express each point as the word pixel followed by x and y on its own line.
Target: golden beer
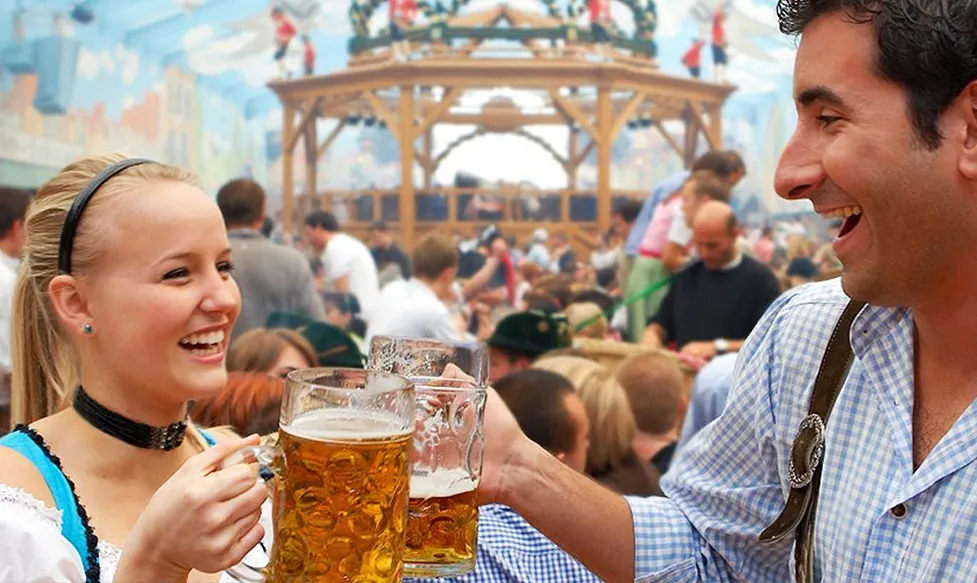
pixel 442 528
pixel 341 504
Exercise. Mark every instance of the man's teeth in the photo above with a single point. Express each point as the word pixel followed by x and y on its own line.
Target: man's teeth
pixel 843 213
pixel 206 339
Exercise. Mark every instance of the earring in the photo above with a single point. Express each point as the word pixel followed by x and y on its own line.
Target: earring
pixel 87 328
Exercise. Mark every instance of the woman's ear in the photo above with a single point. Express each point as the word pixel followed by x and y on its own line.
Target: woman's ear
pixel 68 300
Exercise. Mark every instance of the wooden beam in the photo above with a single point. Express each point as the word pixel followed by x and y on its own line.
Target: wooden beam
pixel 571 167
pixel 691 139
pixel 605 122
pixel 573 113
pixel 576 162
pixel 408 211
pixel 383 112
pixel 311 160
pixel 669 139
pixel 288 184
pixel 308 117
pixel 324 146
pixel 432 116
pixel 700 125
pixel 626 112
pixel 715 128
pixel 428 146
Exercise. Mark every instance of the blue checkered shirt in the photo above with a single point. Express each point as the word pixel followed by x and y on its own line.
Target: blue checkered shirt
pixel 512 551
pixel 731 481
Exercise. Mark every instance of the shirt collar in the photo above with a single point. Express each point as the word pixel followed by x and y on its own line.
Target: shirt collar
pixel 734 263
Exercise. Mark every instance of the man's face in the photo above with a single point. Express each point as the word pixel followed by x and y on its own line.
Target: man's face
pixel 715 245
pixel 503 363
pixel 18 235
pixel 316 237
pixel 855 153
pixel 619 226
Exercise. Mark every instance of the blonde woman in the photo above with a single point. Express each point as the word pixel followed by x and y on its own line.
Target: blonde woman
pixel 611 459
pixel 123 312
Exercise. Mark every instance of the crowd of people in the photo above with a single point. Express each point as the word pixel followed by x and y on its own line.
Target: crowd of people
pixel 659 410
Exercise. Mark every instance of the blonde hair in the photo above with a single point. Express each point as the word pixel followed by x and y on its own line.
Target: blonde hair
pixel 612 424
pixel 45 364
pixel 581 312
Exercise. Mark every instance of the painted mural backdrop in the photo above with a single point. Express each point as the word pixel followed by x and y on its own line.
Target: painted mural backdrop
pixel 184 81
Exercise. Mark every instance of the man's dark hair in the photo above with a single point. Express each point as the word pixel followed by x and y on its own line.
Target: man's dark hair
pixel 323 219
pixel 242 202
pixel 928 48
pixel 379 227
pixel 719 163
pixel 536 399
pixel 737 160
pixel 13 207
pixel 628 209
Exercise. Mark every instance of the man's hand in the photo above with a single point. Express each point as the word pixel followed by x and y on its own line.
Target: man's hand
pixel 699 350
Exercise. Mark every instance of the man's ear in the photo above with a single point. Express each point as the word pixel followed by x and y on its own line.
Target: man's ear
pixel 968 110
pixel 68 300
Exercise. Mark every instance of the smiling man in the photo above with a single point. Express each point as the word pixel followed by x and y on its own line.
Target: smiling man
pixel 886 94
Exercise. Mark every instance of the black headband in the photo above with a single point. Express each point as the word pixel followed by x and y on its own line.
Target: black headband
pixel 78 207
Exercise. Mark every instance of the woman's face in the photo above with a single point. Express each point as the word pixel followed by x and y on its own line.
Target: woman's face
pixel 289 359
pixel 337 317
pixel 161 297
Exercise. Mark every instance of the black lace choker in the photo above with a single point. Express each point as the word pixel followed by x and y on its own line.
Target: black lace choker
pixel 125 429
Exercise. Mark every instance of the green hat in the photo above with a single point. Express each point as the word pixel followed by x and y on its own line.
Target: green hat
pixel 332 345
pixel 532 333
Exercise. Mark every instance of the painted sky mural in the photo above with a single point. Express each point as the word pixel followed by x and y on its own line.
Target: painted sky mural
pixel 184 81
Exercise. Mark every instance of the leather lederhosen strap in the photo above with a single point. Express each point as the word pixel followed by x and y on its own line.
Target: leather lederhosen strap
pixel 798 515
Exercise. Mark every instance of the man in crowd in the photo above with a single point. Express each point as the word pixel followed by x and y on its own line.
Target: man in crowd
pixel 714 303
pixel 417 307
pixel 272 277
pixel 656 391
pixel 521 338
pixel 386 252
pixel 648 266
pixel 13 212
pixel 886 96
pixel 348 265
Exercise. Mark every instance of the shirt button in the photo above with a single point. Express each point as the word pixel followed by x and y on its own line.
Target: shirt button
pixel 899 511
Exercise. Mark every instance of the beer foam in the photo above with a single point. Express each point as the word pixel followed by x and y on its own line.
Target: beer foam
pixel 441 484
pixel 347 425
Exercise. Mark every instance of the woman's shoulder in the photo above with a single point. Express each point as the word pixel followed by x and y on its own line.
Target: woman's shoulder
pixel 19 472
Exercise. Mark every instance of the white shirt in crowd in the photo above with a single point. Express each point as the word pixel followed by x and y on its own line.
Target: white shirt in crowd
pixel 410 308
pixel 680 232
pixel 345 255
pixel 8 281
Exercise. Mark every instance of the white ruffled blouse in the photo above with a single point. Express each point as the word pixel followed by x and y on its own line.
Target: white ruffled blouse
pixel 32 549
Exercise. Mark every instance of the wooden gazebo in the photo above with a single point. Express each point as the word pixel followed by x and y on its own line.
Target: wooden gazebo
pixel 595 94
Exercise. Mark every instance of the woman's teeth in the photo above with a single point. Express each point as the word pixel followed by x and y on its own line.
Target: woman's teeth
pixel 205 344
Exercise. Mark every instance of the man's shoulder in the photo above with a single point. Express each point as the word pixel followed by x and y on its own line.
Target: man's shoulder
pixel 807 314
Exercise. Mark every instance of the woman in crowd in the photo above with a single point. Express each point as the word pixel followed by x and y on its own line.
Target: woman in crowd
pixel 249 403
pixel 611 459
pixel 276 352
pixel 123 312
pixel 343 310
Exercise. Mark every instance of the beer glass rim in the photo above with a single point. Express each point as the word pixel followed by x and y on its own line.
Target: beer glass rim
pixel 428 383
pixel 306 377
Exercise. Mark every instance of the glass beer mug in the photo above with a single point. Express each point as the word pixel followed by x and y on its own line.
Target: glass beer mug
pixel 442 527
pixel 342 471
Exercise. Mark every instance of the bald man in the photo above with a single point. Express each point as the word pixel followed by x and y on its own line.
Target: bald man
pixel 714 303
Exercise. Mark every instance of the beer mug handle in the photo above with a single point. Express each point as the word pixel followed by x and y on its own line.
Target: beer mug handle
pixel 270 460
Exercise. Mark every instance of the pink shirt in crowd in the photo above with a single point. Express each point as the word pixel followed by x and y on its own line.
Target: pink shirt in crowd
pixel 656 235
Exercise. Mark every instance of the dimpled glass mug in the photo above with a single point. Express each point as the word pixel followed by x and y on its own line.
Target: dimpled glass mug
pixel 442 527
pixel 341 477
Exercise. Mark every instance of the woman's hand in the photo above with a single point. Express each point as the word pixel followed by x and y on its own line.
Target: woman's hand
pixel 202 518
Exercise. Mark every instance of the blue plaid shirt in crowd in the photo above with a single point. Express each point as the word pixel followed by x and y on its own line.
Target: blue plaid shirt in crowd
pixel 512 551
pixel 731 480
